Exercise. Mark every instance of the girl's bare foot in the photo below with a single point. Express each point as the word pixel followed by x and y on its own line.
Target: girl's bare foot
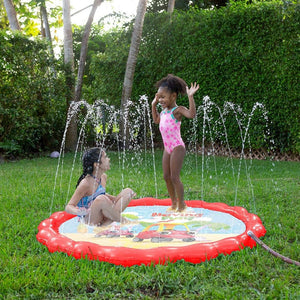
pixel 181 207
pixel 172 208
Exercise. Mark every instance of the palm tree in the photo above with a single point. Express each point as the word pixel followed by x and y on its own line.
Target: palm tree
pixel 84 49
pixel 45 30
pixel 75 92
pixel 12 15
pixel 171 5
pixel 71 137
pixel 45 23
pixel 131 63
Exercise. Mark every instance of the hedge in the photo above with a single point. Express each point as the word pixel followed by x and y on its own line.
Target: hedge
pixel 32 105
pixel 244 54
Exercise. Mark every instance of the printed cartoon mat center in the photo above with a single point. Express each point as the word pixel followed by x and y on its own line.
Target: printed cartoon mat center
pixel 155 226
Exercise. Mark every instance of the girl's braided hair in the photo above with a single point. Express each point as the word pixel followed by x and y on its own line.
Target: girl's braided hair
pixel 89 158
pixel 173 83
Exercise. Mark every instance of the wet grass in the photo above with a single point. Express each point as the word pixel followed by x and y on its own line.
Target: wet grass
pixel 269 189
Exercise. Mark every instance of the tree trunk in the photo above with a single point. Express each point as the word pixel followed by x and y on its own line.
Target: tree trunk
pixel 46 22
pixel 130 66
pixel 46 29
pixel 171 4
pixel 12 15
pixel 84 49
pixel 71 136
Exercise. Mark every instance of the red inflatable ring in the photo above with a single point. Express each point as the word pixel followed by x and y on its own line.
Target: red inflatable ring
pixel 158 237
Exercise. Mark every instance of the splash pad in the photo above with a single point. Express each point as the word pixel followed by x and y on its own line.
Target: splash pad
pixel 154 235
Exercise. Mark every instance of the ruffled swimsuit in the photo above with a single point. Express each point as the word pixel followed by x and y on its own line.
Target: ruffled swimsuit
pixel 88 200
pixel 169 128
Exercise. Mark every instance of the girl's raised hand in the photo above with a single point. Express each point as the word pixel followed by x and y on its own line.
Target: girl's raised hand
pixel 191 91
pixel 155 100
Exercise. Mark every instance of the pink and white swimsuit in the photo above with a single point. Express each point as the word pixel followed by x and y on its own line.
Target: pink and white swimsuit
pixel 170 130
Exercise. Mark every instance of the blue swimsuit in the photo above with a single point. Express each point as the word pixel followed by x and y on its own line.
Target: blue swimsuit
pixel 88 200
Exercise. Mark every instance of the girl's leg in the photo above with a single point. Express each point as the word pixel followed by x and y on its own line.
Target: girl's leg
pixel 104 211
pixel 106 222
pixel 176 162
pixel 167 178
pixel 123 199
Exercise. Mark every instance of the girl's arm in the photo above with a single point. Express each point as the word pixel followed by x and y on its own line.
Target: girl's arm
pixel 155 114
pixel 71 207
pixel 191 112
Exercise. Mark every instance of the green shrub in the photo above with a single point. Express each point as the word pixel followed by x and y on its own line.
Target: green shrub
pixel 107 67
pixel 242 54
pixel 32 102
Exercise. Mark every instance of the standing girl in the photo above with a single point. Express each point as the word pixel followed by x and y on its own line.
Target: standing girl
pixel 169 121
pixel 90 199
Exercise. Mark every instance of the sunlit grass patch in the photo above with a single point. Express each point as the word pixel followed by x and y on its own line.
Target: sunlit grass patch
pixel 269 189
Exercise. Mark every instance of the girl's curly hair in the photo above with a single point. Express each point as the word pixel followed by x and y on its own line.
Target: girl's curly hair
pixel 173 83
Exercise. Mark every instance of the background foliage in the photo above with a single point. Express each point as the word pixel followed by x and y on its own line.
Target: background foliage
pixel 240 53
pixel 243 54
pixel 32 106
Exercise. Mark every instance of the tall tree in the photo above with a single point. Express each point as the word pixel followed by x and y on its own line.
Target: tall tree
pixel 171 4
pixel 75 92
pixel 45 22
pixel 12 15
pixel 30 16
pixel 45 27
pixel 131 62
pixel 71 137
pixel 84 49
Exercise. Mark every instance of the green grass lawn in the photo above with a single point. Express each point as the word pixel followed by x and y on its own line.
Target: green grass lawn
pixel 29 193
